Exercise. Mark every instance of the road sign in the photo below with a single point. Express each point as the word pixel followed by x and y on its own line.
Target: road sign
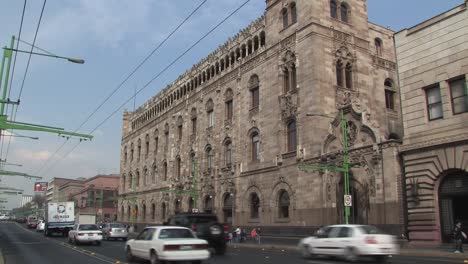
pixel 348 200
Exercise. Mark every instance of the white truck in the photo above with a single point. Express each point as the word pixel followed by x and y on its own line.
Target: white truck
pixel 83 218
pixel 59 218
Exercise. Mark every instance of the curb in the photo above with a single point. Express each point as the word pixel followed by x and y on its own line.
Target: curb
pixel 403 251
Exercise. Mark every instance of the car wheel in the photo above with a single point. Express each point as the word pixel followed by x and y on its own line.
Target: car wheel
pixel 220 249
pixel 351 255
pixel 306 251
pixel 381 259
pixel 154 258
pixel 129 255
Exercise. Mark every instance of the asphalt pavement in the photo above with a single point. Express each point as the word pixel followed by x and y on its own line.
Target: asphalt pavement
pixel 22 246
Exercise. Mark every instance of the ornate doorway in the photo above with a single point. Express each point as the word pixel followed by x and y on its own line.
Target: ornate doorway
pixel 360 204
pixel 228 207
pixel 453 195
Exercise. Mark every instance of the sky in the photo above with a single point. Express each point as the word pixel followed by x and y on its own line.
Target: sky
pixel 113 37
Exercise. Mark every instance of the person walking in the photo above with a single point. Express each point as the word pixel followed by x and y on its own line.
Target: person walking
pixel 253 234
pixel 458 236
pixel 259 232
pixel 238 234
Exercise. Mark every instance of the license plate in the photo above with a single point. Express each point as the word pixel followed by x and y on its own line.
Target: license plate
pixel 185 247
pixel 216 232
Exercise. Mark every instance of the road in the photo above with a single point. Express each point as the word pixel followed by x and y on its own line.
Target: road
pixel 22 246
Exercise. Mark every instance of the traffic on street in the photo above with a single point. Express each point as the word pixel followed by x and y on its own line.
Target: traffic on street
pixel 22 245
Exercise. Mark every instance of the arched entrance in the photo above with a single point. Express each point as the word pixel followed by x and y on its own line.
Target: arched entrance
pixel 453 195
pixel 228 207
pixel 360 202
pixel 208 205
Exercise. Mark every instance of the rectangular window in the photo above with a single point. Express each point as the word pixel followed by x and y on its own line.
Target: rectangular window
pixel 229 110
pixel 210 118
pixel 459 94
pixel 434 102
pixel 255 97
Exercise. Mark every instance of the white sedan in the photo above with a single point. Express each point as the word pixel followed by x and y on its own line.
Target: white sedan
pixel 85 233
pixel 40 226
pixel 350 242
pixel 167 243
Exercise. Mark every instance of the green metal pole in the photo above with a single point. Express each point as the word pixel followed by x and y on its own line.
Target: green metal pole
pixel 344 135
pixel 6 54
pixel 194 192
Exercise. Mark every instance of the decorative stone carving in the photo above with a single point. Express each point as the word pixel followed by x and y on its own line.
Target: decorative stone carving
pixel 351 133
pixel 288 107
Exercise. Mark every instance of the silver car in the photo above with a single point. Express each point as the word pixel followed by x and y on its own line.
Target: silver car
pixel 114 230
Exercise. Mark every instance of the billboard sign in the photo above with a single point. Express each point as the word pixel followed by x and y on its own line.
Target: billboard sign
pixel 40 186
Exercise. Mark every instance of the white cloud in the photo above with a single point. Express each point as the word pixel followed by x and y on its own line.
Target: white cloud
pixel 27 155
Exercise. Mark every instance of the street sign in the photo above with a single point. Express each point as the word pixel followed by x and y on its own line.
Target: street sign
pixel 348 200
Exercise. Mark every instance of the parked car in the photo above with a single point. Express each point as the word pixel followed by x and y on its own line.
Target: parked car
pixel 114 231
pixel 4 217
pixel 350 242
pixel 205 226
pixel 32 222
pixel 40 226
pixel 167 243
pixel 21 220
pixel 85 233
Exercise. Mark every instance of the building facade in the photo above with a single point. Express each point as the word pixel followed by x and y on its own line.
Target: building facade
pixel 433 68
pixel 237 123
pixel 26 199
pixel 53 194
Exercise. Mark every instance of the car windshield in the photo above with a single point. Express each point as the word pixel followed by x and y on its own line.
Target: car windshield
pixel 117 226
pixel 202 219
pixel 371 230
pixel 175 233
pixel 88 227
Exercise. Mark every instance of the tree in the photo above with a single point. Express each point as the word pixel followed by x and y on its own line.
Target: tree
pixel 39 200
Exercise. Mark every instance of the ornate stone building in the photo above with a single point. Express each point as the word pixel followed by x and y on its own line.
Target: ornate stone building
pixel 433 67
pixel 240 118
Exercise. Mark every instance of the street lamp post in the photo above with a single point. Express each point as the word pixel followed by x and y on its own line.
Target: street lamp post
pixel 343 167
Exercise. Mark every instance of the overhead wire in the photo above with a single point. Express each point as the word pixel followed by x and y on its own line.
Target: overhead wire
pixel 157 76
pixel 12 78
pixel 125 80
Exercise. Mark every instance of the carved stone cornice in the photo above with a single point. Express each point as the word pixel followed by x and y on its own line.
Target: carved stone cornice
pixel 433 143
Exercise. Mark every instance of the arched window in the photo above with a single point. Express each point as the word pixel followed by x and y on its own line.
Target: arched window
pixel 190 204
pixel 153 212
pixel 165 170
pixel 129 213
pixel 254 86
pixel 284 15
pixel 193 116
pixel 209 158
pixel 378 46
pixel 136 215
pixel 143 213
pixel 131 152
pixel 131 183
pixel 123 181
pixel 156 144
pixel 145 176
pixel 293 13
pixel 166 137
pixel 255 147
pixel 293 77
pixel 344 12
pixel 210 112
pixel 193 166
pixel 154 173
pixel 137 179
pixel 125 155
pixel 262 39
pixel 389 94
pixel 177 206
pixel 228 153
pixel 254 205
pixel 229 105
pixel 339 73
pixel 333 9
pixel 292 143
pixel 285 80
pixel 283 204
pixel 255 47
pixel 122 213
pixel 208 206
pixel 180 123
pixel 178 165
pixel 349 76
pixel 163 212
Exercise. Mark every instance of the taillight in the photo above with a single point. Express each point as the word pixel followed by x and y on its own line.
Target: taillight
pixel 194 228
pixel 171 247
pixel 370 240
pixel 81 234
pixel 226 228
pixel 200 246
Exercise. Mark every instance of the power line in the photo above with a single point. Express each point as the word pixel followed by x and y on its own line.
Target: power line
pixel 161 72
pixel 127 78
pixel 12 77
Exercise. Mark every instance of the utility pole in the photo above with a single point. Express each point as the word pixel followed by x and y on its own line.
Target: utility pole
pixel 343 167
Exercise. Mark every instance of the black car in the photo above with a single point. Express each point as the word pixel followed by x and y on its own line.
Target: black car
pixel 206 226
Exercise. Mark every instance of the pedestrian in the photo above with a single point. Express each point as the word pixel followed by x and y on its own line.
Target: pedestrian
pixel 238 234
pixel 230 238
pixel 458 236
pixel 243 235
pixel 253 234
pixel 259 232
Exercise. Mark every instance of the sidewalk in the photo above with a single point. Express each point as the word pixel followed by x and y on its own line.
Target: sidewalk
pixel 446 250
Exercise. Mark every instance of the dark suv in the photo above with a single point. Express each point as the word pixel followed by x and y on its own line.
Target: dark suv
pixel 206 226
